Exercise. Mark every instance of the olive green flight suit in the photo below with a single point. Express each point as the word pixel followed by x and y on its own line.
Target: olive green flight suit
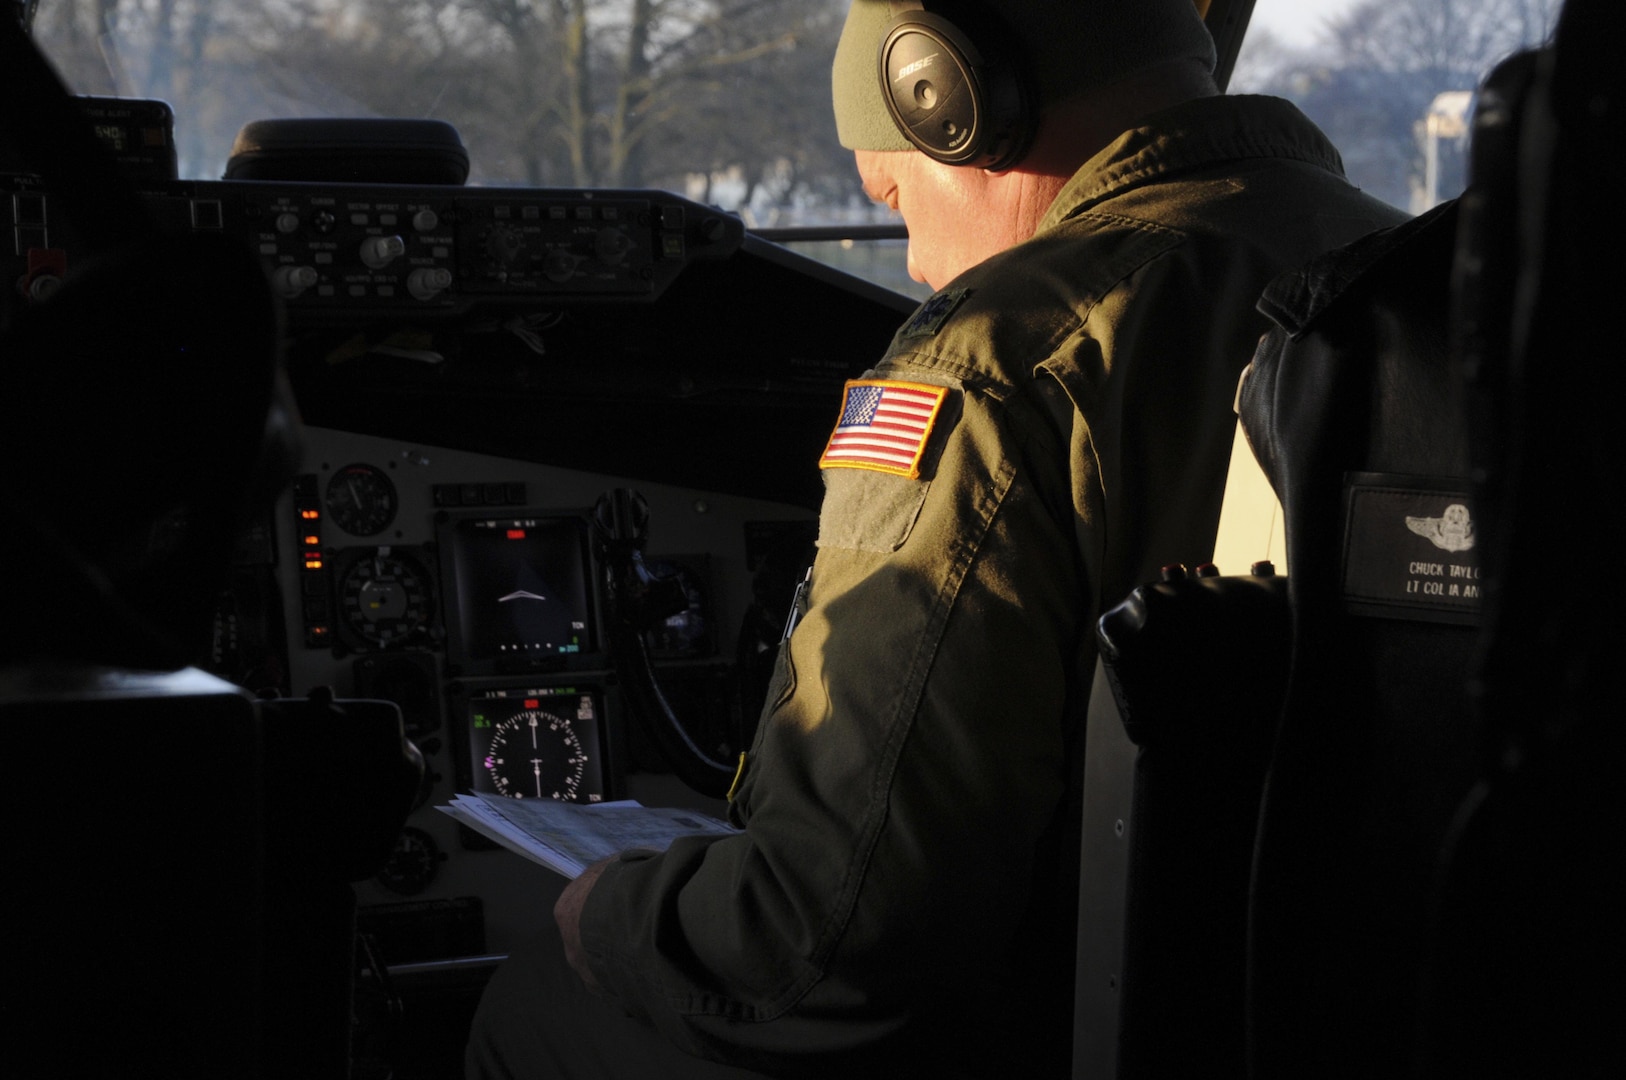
pixel 903 894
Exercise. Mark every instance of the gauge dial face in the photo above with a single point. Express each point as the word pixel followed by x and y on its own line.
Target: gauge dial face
pixel 413 863
pixel 536 754
pixel 384 598
pixel 361 500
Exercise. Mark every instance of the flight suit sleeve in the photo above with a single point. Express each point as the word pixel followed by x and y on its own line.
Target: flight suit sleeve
pixel 910 755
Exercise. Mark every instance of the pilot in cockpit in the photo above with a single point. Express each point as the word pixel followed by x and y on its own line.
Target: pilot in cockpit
pixel 1044 432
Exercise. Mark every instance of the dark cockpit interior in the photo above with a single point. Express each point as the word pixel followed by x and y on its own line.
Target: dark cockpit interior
pixel 338 430
pixel 330 482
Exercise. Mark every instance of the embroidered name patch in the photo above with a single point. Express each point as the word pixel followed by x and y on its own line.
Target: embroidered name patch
pixel 1410 548
pixel 884 426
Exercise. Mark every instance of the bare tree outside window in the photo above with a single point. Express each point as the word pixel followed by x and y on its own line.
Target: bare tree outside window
pixel 1386 81
pixel 724 101
pixel 727 98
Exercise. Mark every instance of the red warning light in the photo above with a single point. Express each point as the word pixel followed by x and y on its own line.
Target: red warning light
pixel 516 534
pixel 533 703
pixel 309 515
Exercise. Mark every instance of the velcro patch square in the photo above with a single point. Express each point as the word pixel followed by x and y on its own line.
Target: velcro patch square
pixel 884 426
pixel 929 318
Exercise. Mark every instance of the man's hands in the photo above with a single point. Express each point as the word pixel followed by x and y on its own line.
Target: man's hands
pixel 568 914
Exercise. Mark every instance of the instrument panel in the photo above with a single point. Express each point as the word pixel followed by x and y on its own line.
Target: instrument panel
pixel 473 370
pixel 463 587
pixel 334 252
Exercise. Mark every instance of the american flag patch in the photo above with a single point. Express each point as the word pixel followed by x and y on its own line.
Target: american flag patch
pixel 883 426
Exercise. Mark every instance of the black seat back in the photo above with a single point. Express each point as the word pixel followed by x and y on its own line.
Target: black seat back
pixel 1435 886
pixel 1437 889
pixel 1267 825
pixel 1355 412
pixel 179 900
pixel 1181 717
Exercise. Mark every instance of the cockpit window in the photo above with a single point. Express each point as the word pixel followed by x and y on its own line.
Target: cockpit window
pixel 724 101
pixel 1391 81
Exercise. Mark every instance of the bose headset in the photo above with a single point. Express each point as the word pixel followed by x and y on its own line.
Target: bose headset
pixel 958 102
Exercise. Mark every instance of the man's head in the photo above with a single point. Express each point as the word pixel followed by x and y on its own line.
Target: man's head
pixel 945 59
pixel 930 95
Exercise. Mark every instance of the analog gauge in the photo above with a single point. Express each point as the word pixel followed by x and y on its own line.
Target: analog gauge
pixel 413 863
pixel 384 598
pixel 536 754
pixel 361 500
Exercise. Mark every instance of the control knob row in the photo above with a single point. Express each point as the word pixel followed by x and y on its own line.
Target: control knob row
pixel 323 221
pixel 506 247
pixel 424 283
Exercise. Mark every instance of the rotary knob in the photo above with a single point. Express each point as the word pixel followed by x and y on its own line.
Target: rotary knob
pixel 506 245
pixel 378 252
pixel 290 281
pixel 426 282
pixel 559 265
pixel 612 246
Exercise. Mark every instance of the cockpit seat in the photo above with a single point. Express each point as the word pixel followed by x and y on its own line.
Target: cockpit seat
pixel 1292 751
pixel 1435 876
pixel 1356 413
pixel 1183 710
pixel 177 902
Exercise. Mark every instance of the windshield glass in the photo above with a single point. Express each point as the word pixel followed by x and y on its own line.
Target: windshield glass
pixel 1390 81
pixel 724 101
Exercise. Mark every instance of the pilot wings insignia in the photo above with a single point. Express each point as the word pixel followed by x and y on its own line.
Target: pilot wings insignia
pixel 1451 531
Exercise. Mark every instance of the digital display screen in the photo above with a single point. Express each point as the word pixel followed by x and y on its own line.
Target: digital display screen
pixel 535 743
pixel 113 136
pixel 519 591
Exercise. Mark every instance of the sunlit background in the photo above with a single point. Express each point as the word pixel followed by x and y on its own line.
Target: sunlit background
pixel 725 101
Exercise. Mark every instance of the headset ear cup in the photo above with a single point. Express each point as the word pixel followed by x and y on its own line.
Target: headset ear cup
pixel 956 103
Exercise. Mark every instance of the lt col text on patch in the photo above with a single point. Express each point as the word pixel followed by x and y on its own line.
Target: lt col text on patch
pixel 884 426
